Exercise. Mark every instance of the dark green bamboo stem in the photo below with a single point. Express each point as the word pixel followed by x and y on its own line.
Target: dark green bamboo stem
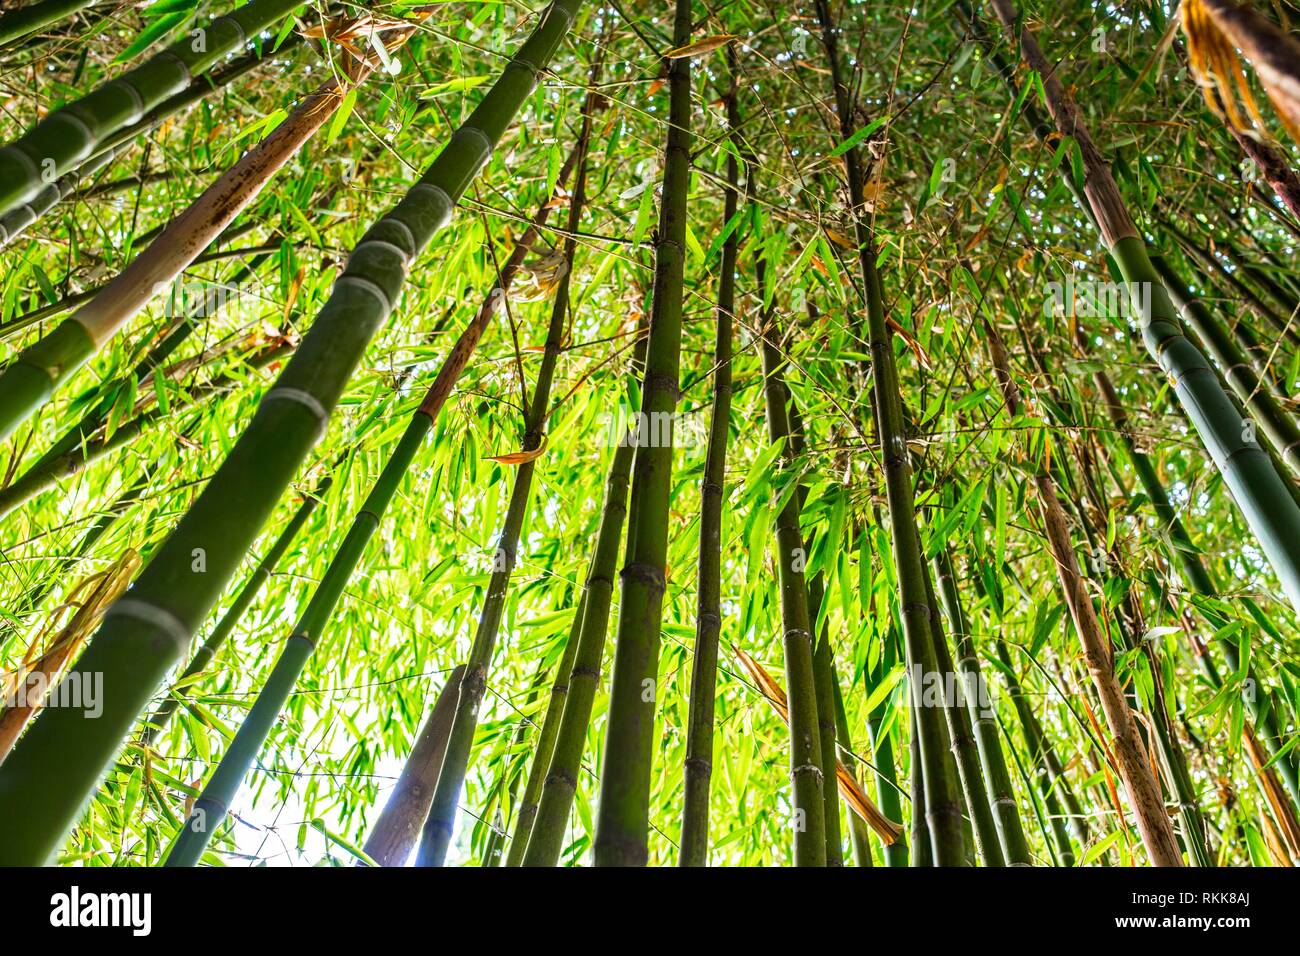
pixel 69 135
pixel 827 727
pixel 623 816
pixel 965 749
pixel 16 24
pixel 922 844
pixel 435 840
pixel 243 600
pixel 979 704
pixel 698 769
pixel 53 769
pixel 806 756
pixel 546 737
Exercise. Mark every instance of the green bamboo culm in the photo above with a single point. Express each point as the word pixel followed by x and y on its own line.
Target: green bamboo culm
pixel 997 778
pixel 66 137
pixel 51 772
pixel 243 601
pixel 623 816
pixel 544 748
pixel 806 773
pixel 210 808
pixel 436 837
pixel 708 619
pixel 16 24
pixel 546 840
pixel 888 796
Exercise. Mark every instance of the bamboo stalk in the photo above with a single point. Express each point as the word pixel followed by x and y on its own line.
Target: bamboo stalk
pixel 622 820
pixel 698 769
pixel 440 825
pixel 32 378
pixel 67 136
pixel 50 774
pixel 806 774
pixel 546 737
pixel 16 24
pixel 997 778
pixel 395 833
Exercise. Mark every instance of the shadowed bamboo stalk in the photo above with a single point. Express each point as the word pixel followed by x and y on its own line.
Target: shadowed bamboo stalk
pixel 441 823
pixel 888 794
pixel 806 775
pixel 51 773
pixel 545 746
pixel 941 792
pixel 859 832
pixel 69 135
pixel 32 378
pixel 1133 760
pixel 997 778
pixel 1257 488
pixel 622 820
pixel 698 769
pixel 395 833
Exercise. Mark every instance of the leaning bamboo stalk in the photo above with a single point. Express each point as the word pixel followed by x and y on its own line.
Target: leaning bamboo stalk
pixel 1257 488
pixel 71 134
pixel 440 825
pixel 698 769
pixel 47 778
pixel 32 378
pixel 395 833
pixel 544 749
pixel 623 816
pixel 806 776
pixel 997 778
pixel 1133 762
pixel 16 24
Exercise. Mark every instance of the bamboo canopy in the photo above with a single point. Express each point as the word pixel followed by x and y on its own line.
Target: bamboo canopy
pixel 566 434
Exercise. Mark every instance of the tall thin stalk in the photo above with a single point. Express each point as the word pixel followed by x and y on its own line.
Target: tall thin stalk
pixel 50 774
pixel 622 820
pixel 708 618
pixel 440 825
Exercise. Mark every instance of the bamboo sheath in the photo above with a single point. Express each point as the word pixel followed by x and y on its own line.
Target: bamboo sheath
pixel 622 819
pixel 73 133
pixel 397 830
pixel 54 768
pixel 32 378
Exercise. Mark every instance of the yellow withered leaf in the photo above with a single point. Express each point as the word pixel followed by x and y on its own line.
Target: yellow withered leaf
pixel 520 457
pixel 706 45
pixel 853 794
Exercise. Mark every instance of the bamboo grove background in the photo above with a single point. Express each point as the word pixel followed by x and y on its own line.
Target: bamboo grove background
pixel 918 187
